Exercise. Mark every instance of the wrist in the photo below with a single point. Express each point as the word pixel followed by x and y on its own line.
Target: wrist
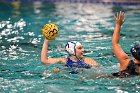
pixel 46 41
pixel 118 25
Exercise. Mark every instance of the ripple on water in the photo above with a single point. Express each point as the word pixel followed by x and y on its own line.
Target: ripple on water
pixel 91 24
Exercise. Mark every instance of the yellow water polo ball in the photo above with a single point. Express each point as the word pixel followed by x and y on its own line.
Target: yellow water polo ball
pixel 50 31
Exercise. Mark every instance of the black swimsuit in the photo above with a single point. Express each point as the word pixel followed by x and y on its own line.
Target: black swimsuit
pixel 130 70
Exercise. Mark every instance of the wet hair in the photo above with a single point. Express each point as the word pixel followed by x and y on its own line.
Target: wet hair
pixel 135 51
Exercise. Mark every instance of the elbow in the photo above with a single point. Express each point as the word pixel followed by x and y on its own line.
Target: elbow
pixel 43 61
pixel 113 43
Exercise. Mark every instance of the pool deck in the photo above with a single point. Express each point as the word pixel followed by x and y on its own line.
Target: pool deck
pixel 114 2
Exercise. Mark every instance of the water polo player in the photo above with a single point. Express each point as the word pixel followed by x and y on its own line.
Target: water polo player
pixel 75 59
pixel 128 67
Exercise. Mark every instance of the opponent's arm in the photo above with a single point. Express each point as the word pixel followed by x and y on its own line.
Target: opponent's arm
pixel 117 49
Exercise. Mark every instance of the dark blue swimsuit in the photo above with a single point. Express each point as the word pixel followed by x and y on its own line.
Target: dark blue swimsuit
pixel 79 64
pixel 130 70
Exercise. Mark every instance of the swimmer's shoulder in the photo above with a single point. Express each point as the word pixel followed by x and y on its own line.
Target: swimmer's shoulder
pixel 62 60
pixel 90 61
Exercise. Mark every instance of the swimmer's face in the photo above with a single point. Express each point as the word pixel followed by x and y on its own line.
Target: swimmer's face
pixel 79 51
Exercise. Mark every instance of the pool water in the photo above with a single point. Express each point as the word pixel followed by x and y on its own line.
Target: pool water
pixel 21 41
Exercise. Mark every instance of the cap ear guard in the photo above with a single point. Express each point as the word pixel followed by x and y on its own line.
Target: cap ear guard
pixel 70 47
pixel 70 51
pixel 135 51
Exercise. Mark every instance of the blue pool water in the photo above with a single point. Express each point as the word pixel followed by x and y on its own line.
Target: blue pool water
pixel 91 24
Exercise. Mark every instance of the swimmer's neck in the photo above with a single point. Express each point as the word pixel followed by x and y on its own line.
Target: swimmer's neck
pixel 74 58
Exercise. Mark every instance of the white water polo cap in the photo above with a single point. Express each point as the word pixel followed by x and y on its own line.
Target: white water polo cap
pixel 71 47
